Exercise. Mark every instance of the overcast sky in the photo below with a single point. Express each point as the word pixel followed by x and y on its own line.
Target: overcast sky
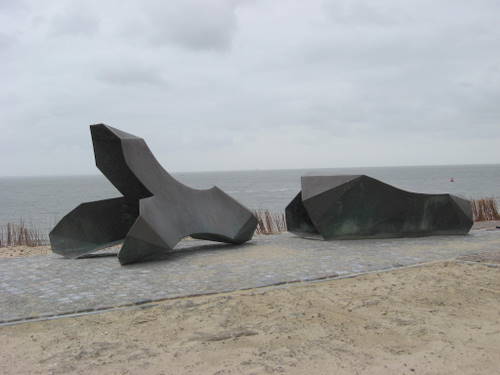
pixel 228 84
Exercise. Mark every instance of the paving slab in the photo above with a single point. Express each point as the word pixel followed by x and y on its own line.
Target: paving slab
pixel 42 286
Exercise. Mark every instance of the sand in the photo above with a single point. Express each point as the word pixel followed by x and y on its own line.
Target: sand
pixel 440 318
pixel 486 224
pixel 23 251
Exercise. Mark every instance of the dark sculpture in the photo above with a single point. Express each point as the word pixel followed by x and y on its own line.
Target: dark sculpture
pixel 354 207
pixel 155 212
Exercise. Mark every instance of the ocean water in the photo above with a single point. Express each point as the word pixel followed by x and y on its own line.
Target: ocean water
pixel 42 201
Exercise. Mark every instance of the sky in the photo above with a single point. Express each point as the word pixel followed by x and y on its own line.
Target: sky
pixel 250 84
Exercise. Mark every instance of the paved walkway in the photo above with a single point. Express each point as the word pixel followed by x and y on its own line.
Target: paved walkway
pixel 43 286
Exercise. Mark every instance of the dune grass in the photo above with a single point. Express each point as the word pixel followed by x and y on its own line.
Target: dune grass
pixel 270 222
pixel 20 234
pixel 485 209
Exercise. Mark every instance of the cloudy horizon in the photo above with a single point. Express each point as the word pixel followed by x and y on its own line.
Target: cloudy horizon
pixel 256 84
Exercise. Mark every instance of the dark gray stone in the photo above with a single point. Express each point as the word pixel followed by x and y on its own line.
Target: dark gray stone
pixel 155 212
pixel 352 207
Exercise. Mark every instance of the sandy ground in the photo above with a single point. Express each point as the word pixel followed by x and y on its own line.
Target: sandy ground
pixel 440 318
pixel 486 224
pixel 23 251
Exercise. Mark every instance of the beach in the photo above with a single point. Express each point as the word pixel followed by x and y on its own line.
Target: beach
pixel 438 318
pixel 24 251
pixel 250 187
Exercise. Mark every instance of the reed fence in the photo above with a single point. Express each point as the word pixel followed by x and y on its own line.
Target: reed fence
pixel 270 222
pixel 20 234
pixel 485 209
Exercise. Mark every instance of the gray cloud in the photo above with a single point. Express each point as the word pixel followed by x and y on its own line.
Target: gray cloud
pixel 5 41
pixel 257 84
pixel 131 76
pixel 365 14
pixel 197 25
pixel 9 5
pixel 75 20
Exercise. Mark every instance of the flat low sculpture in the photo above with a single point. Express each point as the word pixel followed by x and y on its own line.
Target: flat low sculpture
pixel 358 206
pixel 155 212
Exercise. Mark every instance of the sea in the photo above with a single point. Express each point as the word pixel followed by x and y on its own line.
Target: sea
pixel 40 202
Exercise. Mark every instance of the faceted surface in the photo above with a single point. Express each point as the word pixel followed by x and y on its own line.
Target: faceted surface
pixel 155 212
pixel 359 206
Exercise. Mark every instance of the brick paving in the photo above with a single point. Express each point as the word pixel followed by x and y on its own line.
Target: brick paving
pixel 42 286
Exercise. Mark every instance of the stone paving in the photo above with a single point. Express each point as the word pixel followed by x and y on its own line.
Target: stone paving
pixel 43 286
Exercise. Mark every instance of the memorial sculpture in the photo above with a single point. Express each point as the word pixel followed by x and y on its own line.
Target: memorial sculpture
pixel 155 212
pixel 359 206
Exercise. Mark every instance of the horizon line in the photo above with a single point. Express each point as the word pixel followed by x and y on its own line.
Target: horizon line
pixel 265 169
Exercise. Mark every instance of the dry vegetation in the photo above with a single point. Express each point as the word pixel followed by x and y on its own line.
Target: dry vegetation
pixel 485 209
pixel 21 235
pixel 270 222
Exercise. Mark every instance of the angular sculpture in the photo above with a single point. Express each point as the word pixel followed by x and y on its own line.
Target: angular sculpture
pixel 155 212
pixel 355 207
